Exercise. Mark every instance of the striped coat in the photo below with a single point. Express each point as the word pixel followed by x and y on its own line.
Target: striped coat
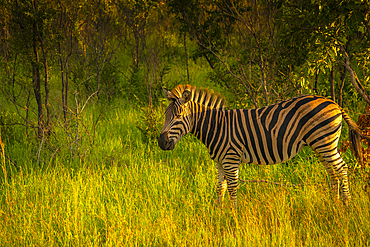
pixel 268 135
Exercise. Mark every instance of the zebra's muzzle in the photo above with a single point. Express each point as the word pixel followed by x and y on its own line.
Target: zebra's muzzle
pixel 164 143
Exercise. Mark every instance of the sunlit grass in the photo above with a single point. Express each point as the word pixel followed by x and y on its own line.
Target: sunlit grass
pixel 127 193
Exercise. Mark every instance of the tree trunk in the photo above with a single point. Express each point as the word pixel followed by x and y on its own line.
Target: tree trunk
pixel 316 79
pixel 37 79
pixel 37 83
pixel 186 57
pixel 64 78
pixel 332 89
pixel 37 92
pixel 98 54
pixel 340 94
pixel 65 106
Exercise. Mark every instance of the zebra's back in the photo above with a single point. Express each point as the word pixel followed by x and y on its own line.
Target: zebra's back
pixel 276 133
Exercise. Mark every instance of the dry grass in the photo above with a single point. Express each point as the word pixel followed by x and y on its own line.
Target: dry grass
pixel 126 193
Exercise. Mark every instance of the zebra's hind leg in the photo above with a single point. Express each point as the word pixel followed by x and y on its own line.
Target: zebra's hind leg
pixel 221 184
pixel 337 170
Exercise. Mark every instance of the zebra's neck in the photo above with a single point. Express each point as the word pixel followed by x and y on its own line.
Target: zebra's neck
pixel 207 125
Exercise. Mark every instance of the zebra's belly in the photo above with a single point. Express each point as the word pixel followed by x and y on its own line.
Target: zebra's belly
pixel 267 158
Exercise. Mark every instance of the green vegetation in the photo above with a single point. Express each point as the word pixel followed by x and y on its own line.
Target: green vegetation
pixel 81 106
pixel 125 192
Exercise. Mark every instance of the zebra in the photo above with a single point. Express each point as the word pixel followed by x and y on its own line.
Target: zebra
pixel 269 135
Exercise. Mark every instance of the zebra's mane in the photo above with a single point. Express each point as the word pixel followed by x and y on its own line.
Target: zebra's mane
pixel 202 96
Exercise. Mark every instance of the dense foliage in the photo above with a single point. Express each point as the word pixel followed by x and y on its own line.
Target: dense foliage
pixel 259 51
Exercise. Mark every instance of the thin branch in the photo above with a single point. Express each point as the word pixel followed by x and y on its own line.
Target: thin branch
pixel 88 101
pixel 354 79
pixel 15 164
pixel 270 182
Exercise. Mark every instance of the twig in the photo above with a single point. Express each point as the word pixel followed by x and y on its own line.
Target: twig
pixel 354 79
pixel 88 101
pixel 270 182
pixel 15 164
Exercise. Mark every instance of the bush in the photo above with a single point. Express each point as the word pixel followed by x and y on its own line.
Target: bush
pixel 150 123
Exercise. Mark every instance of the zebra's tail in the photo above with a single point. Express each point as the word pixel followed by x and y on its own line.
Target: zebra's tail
pixel 355 137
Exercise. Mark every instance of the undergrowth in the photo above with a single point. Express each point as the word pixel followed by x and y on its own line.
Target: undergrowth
pixel 118 190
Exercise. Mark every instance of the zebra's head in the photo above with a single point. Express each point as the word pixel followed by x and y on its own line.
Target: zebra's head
pixel 177 119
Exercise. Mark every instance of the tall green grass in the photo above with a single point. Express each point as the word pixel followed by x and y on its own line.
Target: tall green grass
pixel 119 191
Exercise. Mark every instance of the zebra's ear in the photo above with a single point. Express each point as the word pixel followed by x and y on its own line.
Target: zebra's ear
pixel 186 96
pixel 169 95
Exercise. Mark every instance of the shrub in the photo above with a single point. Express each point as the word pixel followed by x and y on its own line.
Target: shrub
pixel 150 123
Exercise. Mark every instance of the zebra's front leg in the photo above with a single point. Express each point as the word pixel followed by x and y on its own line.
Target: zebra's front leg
pixel 221 184
pixel 231 170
